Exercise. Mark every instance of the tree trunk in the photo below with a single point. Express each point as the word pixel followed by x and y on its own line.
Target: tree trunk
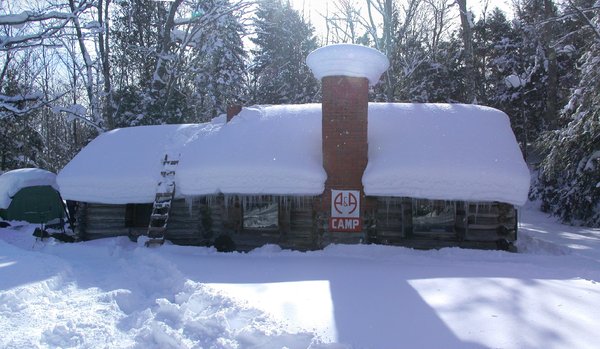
pixel 159 77
pixel 387 37
pixel 552 89
pixel 468 53
pixel 104 48
pixel 4 69
pixel 89 73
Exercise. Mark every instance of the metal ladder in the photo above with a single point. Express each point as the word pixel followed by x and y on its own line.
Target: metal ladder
pixel 165 192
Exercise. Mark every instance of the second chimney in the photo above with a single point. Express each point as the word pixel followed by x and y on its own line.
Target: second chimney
pixel 233 110
pixel 346 71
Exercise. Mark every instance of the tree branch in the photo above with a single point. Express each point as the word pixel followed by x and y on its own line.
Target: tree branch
pixel 586 19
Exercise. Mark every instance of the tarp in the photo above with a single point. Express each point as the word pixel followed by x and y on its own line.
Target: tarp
pixel 30 195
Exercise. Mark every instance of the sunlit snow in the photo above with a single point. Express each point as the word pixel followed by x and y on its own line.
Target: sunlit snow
pixel 348 60
pixel 115 293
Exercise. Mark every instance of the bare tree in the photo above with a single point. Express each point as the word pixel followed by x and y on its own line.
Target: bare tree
pixel 88 66
pixel 48 28
pixel 396 29
pixel 344 23
pixel 466 22
pixel 350 24
pixel 104 52
pixel 440 19
pixel 35 28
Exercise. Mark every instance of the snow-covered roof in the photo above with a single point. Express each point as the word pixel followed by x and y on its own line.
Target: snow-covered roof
pixel 13 181
pixel 444 151
pixel 434 151
pixel 348 60
pixel 123 165
pixel 262 150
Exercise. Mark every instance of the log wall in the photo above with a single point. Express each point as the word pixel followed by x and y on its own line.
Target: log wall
pixel 476 224
pixel 301 227
pixel 200 221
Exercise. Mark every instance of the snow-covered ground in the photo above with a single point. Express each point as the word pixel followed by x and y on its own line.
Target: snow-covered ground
pixel 112 293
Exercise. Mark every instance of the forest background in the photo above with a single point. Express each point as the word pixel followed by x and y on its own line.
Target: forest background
pixel 72 69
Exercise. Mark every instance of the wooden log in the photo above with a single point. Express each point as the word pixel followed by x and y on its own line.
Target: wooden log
pixel 93 220
pixel 490 227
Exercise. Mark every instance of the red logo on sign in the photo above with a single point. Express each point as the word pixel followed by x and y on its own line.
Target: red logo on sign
pixel 345 205
pixel 345 211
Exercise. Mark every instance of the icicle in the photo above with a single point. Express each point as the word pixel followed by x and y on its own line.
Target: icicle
pixel 387 200
pixel 226 201
pixel 455 210
pixel 300 201
pixel 189 200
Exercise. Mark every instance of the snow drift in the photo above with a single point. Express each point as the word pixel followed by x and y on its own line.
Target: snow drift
pixel 112 293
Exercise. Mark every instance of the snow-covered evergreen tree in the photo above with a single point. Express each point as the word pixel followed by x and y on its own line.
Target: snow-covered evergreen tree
pixel 20 144
pixel 569 179
pixel 187 71
pixel 283 40
pixel 538 53
pixel 502 82
pixel 219 69
pixel 135 38
pixel 437 78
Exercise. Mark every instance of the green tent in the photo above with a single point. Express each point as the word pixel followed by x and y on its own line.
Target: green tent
pixel 30 195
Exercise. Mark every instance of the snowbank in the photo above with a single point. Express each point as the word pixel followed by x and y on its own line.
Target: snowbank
pixel 123 165
pixel 444 151
pixel 263 150
pixel 112 293
pixel 433 151
pixel 13 181
pixel 348 60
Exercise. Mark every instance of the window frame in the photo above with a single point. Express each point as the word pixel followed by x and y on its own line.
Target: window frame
pixel 448 228
pixel 254 205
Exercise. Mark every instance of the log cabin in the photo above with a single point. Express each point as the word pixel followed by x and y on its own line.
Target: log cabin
pixel 305 176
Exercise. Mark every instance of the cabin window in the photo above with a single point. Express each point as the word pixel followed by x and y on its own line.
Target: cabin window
pixel 433 216
pixel 261 216
pixel 137 215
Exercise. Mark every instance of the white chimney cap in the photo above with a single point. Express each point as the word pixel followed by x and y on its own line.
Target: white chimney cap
pixel 348 60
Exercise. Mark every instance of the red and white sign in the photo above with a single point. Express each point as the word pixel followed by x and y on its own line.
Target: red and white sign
pixel 345 211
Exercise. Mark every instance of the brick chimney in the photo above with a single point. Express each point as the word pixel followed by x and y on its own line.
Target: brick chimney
pixel 233 110
pixel 346 71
